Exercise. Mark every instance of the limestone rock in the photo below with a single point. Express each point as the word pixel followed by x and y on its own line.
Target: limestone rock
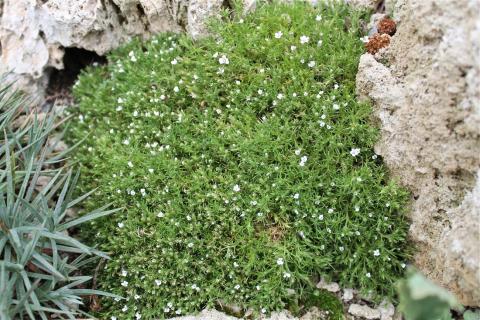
pixel 387 310
pixel 347 294
pixel 363 311
pixel 329 286
pixel 34 34
pixel 427 100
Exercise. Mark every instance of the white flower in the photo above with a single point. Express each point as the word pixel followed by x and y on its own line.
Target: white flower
pixel 125 308
pixel 121 225
pixel 320 217
pixel 304 39
pixel 223 60
pixel 126 142
pixel 124 283
pixel 113 318
pixel 319 43
pixel 176 89
pixel 124 273
pixel 355 152
pixel 278 34
pixel 119 108
pixel 130 164
pixel 296 196
pixel 138 316
pixel 174 62
pixel 368 274
pixel 335 106
pixel 364 39
pixel 330 210
pixel 293 48
pixel 318 18
pixel 403 265
pixel 236 188
pixel 162 97
pixel 280 261
pixel 297 152
pixel 311 64
pixel 158 282
pixel 237 287
pixel 150 170
pixel 190 245
pixel 280 96
pixel 341 248
pixel 286 275
pixel 136 297
pixel 303 160
pixel 376 253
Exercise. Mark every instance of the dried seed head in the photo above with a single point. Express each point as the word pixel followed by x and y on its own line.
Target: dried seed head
pixel 387 26
pixel 377 42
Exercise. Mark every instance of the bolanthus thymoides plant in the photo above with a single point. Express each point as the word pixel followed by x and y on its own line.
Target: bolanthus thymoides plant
pixel 39 261
pixel 244 163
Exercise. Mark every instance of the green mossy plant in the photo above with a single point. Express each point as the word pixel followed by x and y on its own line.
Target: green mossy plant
pixel 244 163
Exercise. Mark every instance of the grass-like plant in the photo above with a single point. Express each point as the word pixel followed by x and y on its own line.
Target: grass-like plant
pixel 244 163
pixel 39 261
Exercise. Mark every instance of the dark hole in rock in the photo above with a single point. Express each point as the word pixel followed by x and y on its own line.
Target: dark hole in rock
pixel 74 61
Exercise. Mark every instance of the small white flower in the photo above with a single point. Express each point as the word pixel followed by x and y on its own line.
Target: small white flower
pixel 319 43
pixel 286 275
pixel 174 62
pixel 320 217
pixel 335 106
pixel 293 48
pixel 126 142
pixel 124 283
pixel 355 152
pixel 304 39
pixel 113 318
pixel 162 97
pixel 124 273
pixel 130 164
pixel 364 39
pixel 280 96
pixel 190 245
pixel 236 188
pixel 237 287
pixel 278 34
pixel 176 89
pixel 376 253
pixel 403 265
pixel 341 249
pixel 125 309
pixel 296 196
pixel 158 282
pixel 121 225
pixel 318 18
pixel 138 316
pixel 368 274
pixel 223 60
pixel 311 64
pixel 136 297
pixel 150 170
pixel 280 261
pixel 330 210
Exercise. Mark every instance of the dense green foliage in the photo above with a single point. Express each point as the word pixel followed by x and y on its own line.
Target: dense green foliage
pixel 244 164
pixel 39 261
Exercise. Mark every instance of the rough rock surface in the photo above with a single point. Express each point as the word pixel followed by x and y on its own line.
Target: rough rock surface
pixel 363 311
pixel 34 34
pixel 314 314
pixel 426 96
